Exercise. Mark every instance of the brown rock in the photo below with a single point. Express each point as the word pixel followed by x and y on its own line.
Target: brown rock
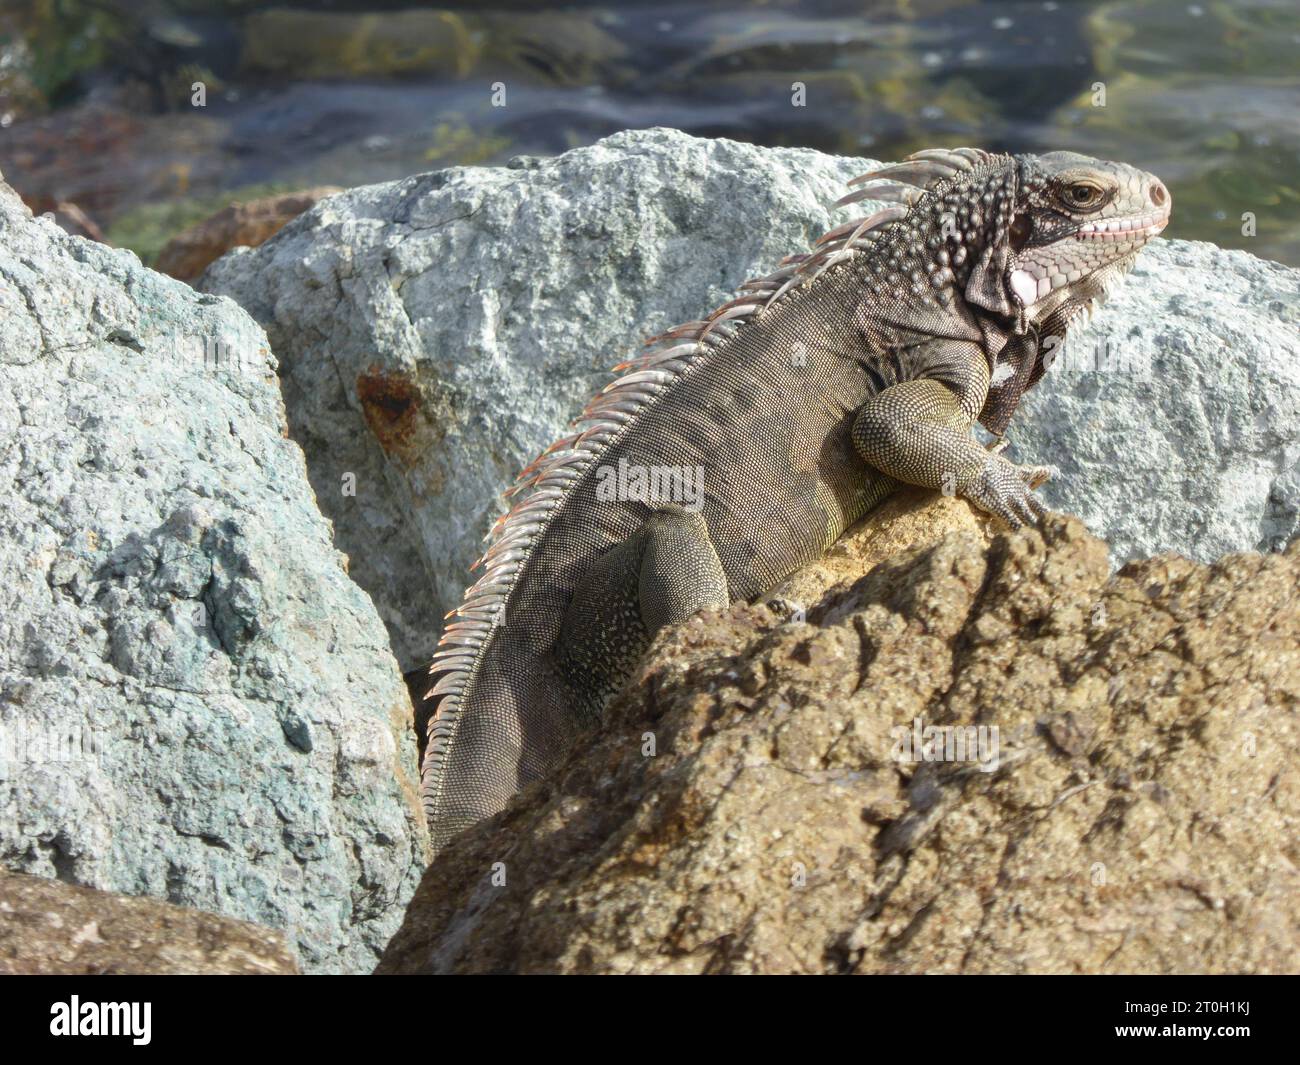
pixel 911 517
pixel 187 255
pixel 1140 815
pixel 69 217
pixel 48 927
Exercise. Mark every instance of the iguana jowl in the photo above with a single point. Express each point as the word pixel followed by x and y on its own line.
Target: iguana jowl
pixel 804 401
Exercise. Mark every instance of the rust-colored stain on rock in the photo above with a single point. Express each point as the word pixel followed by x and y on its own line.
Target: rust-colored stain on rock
pixel 390 403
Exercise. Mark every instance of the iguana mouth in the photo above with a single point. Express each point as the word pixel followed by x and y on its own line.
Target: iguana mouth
pixel 1139 227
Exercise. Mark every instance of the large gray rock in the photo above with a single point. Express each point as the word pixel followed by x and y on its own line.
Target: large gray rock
pixel 435 333
pixel 196 702
pixel 1175 418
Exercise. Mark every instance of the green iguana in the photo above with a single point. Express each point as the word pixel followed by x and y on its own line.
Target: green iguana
pixel 739 447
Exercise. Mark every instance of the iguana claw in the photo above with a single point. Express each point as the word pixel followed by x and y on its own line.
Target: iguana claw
pixel 1037 476
pixel 1006 490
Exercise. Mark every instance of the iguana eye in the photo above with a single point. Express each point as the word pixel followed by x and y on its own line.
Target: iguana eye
pixel 1082 194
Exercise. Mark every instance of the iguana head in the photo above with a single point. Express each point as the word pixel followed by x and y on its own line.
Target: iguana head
pixel 1077 224
pixel 1029 243
pixel 1029 238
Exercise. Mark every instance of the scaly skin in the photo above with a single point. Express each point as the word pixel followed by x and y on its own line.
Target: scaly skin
pixel 803 403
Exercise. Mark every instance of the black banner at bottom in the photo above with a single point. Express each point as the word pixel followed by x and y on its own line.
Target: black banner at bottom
pixel 224 1014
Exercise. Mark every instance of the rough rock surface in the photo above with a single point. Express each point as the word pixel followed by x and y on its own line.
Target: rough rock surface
pixel 196 702
pixel 1139 813
pixel 434 334
pixel 245 224
pixel 50 928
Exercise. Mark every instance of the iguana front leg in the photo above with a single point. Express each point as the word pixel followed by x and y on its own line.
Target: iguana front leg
pixel 919 431
pixel 662 574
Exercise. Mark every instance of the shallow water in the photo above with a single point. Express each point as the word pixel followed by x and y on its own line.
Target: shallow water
pixel 95 99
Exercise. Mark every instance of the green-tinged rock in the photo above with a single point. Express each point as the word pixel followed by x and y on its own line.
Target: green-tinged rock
pixel 196 703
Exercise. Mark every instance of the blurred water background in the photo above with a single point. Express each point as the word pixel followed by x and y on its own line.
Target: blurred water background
pixel 96 111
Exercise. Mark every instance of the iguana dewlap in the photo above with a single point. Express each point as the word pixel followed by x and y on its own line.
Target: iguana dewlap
pixel 739 447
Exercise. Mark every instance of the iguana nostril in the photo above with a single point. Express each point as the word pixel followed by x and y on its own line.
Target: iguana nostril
pixel 1158 195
